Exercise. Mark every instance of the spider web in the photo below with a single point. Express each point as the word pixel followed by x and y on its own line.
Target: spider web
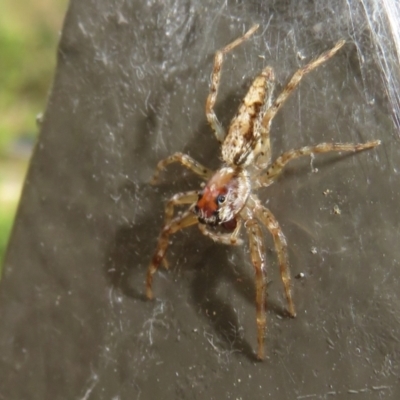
pixel 130 89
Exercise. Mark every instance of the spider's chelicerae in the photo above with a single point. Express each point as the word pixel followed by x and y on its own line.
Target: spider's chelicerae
pixel 228 199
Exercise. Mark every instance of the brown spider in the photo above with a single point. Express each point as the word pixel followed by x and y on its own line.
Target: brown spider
pixel 228 199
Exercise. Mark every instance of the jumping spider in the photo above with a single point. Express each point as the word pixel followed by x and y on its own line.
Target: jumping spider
pixel 228 200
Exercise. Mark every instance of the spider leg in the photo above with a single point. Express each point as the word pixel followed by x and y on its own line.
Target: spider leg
pixel 176 200
pixel 295 80
pixel 187 162
pixel 268 219
pixel 224 238
pixel 182 221
pixel 264 154
pixel 215 79
pixel 257 254
pixel 276 168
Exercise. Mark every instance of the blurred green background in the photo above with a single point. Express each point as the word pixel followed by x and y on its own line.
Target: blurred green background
pixel 29 34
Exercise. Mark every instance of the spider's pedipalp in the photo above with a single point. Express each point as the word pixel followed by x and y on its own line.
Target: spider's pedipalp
pixel 224 238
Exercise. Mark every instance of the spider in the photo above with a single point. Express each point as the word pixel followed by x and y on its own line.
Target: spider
pixel 227 200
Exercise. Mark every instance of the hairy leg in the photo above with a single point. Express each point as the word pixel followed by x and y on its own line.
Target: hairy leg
pixel 264 154
pixel 257 254
pixel 268 219
pixel 215 79
pixel 295 80
pixel 187 162
pixel 275 169
pixel 177 200
pixel 178 223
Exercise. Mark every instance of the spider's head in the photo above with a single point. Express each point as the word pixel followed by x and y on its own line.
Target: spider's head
pixel 223 197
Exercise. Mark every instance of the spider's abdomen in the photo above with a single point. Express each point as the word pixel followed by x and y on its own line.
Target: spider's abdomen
pixel 243 141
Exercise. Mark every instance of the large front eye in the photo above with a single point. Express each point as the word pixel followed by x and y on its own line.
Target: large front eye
pixel 221 199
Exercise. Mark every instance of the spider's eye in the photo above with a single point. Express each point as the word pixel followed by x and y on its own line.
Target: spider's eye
pixel 220 199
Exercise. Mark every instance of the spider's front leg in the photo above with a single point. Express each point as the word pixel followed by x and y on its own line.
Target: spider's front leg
pixel 187 162
pixel 170 227
pixel 215 79
pixel 257 254
pixel 268 219
pixel 178 200
pixel 275 169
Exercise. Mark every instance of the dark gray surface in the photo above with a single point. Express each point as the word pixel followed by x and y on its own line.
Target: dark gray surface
pixel 130 89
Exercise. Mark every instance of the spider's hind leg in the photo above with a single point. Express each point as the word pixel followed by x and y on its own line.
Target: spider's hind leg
pixel 263 156
pixel 215 79
pixel 295 80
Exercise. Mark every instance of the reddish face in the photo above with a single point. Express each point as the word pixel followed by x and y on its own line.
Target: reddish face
pixel 207 207
pixel 217 203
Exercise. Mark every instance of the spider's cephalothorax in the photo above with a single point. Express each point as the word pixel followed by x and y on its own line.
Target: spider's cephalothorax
pixel 228 199
pixel 223 197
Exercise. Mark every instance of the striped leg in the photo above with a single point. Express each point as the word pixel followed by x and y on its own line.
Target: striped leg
pixel 178 223
pixel 215 79
pixel 257 254
pixel 187 162
pixel 268 219
pixel 177 200
pixel 295 80
pixel 266 178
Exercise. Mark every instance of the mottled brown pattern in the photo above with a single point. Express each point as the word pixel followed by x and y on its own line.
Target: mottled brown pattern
pixel 228 198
